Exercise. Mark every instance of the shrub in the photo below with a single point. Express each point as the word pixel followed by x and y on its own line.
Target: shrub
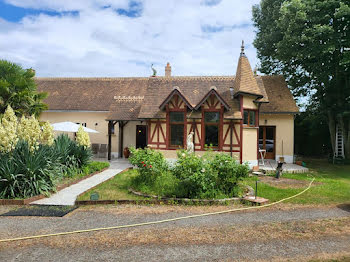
pixel 93 167
pixel 26 173
pixel 197 178
pixel 150 163
pixel 210 176
pixel 71 155
pixel 230 173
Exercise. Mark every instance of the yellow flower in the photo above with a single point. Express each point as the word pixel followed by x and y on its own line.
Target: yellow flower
pixel 83 138
pixel 47 134
pixel 30 131
pixel 8 131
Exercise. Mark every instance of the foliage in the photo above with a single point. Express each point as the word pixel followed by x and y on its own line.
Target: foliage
pixel 8 131
pixel 18 90
pixel 47 134
pixel 230 173
pixel 83 138
pixel 150 163
pixel 311 126
pixel 196 175
pixel 71 155
pixel 210 176
pixel 95 166
pixel 308 42
pixel 28 129
pixel 26 173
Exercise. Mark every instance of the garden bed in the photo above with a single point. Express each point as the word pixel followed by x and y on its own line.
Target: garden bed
pixel 117 191
pixel 66 182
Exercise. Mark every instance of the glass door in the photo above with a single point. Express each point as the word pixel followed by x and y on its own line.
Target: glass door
pixel 267 140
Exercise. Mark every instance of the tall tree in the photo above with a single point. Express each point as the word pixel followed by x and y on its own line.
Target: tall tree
pixel 18 89
pixel 308 41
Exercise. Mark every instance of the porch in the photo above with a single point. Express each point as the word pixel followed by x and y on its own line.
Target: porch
pixel 271 165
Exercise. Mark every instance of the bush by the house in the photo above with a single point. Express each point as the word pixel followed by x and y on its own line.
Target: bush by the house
pixel 210 176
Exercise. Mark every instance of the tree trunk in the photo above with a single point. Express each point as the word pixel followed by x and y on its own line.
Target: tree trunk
pixel 331 126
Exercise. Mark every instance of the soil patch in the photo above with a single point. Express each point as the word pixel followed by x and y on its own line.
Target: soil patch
pixel 41 211
pixel 285 182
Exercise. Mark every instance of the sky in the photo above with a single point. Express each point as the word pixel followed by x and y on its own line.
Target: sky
pixel 122 38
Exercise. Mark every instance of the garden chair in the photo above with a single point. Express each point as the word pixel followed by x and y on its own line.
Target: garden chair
pixel 95 148
pixel 103 151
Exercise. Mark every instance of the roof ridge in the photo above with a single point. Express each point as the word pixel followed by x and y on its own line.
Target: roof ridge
pixel 131 78
pixel 91 78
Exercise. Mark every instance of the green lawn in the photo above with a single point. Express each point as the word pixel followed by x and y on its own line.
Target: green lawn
pixel 114 189
pixel 332 185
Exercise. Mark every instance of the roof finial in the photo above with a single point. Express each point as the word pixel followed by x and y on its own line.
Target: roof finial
pixel 242 48
pixel 154 71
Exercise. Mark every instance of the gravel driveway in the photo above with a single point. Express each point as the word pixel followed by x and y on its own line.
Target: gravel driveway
pixel 250 235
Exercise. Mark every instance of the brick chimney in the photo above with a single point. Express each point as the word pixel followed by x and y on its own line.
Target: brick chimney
pixel 168 70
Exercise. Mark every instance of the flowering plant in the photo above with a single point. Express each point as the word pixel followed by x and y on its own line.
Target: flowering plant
pixel 83 138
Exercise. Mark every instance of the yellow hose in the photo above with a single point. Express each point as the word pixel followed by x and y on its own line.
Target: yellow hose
pixel 156 222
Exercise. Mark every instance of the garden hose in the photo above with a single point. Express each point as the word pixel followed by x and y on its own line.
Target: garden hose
pixel 156 222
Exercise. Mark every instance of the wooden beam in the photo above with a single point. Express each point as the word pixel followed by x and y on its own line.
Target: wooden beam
pixel 110 125
pixel 121 137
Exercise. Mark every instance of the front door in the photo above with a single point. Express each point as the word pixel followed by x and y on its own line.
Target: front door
pixel 267 141
pixel 141 136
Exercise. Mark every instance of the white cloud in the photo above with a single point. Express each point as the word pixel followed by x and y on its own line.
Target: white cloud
pixel 101 42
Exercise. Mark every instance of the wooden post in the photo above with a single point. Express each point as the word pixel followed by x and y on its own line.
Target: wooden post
pixel 231 128
pixel 121 135
pixel 110 124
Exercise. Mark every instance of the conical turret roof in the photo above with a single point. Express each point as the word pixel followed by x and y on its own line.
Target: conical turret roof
pixel 245 81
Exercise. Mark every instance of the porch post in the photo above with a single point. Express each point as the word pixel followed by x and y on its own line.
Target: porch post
pixel 231 128
pixel 110 140
pixel 120 139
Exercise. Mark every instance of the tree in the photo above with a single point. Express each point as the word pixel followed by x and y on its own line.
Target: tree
pixel 308 41
pixel 18 89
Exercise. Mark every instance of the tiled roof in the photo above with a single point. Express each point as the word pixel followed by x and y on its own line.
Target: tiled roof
pixel 140 97
pixel 280 98
pixel 90 94
pixel 193 88
pixel 245 81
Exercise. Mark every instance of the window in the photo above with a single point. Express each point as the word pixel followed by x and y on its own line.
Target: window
pixel 249 117
pixel 211 127
pixel 177 129
pixel 83 124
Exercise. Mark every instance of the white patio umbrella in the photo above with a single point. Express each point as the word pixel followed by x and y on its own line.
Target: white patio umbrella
pixel 70 127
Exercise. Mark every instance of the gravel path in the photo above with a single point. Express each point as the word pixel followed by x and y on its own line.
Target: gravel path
pixel 85 219
pixel 64 249
pixel 262 250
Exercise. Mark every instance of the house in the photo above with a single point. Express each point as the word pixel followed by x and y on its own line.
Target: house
pixel 233 114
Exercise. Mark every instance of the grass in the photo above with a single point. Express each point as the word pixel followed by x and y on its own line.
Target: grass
pixel 116 188
pixel 332 185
